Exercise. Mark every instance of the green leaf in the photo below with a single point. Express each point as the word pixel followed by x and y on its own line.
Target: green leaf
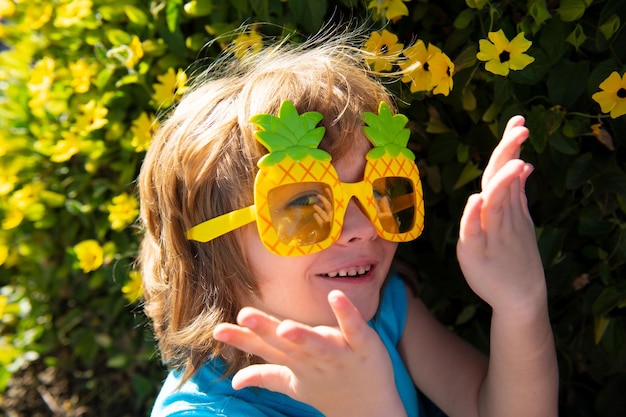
pixel 464 18
pixel 539 11
pixel 550 241
pixel 608 299
pixel 580 171
pixel 468 312
pixel 571 10
pixel 476 4
pixel 118 37
pixel 197 8
pixel 309 14
pixel 560 88
pixel 172 13
pixel 536 121
pixel 261 8
pixel 611 26
pixel 470 172
pixel 577 37
pixel 565 145
pixel 136 15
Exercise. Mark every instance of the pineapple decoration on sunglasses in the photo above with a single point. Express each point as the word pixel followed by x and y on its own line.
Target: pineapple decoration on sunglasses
pixel 306 201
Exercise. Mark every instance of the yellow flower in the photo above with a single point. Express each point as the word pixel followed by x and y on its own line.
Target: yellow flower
pixel 170 86
pixel 7 8
pixel 502 55
pixel 64 149
pixel 8 178
pixel 135 52
pixel 90 255
pixel 82 73
pixel 427 68
pixel 25 202
pixel 612 98
pixel 442 69
pixel 92 117
pixel 123 210
pixel 142 129
pixel 385 48
pixel 393 9
pixel 12 218
pixel 72 12
pixel 41 79
pixel 246 43
pixel 4 300
pixel 37 15
pixel 133 290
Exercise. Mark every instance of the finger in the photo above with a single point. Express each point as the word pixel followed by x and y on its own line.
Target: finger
pixel 352 325
pixel 255 334
pixel 247 341
pixel 327 341
pixel 528 169
pixel 509 147
pixel 470 226
pixel 273 377
pixel 317 342
pixel 499 197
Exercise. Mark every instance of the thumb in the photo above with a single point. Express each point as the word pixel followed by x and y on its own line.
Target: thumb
pixel 272 377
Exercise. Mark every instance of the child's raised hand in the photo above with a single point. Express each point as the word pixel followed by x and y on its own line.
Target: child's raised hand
pixel 341 371
pixel 497 247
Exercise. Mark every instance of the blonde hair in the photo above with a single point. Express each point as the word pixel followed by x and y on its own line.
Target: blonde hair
pixel 202 163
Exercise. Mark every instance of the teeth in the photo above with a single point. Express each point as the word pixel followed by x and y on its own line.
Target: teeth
pixel 352 272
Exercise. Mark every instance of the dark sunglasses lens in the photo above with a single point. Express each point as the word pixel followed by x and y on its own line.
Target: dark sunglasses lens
pixel 395 203
pixel 302 213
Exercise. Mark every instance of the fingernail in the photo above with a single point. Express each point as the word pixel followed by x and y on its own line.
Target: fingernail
pixel 249 322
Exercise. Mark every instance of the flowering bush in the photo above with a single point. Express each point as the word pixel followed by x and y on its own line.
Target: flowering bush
pixel 82 83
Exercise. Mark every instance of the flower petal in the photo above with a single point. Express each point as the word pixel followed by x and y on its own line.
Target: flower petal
pixel 519 62
pixel 619 109
pixel 497 67
pixel 487 51
pixel 519 44
pixel 499 40
pixel 613 83
pixel 606 99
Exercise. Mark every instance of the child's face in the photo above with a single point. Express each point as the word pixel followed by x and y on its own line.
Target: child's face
pixel 297 287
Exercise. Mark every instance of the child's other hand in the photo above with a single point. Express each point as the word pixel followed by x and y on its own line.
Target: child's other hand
pixel 341 371
pixel 497 247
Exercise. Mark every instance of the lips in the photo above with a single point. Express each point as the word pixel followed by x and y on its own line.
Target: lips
pixel 353 272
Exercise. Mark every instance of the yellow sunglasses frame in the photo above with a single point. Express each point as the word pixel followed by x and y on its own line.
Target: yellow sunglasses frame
pixel 363 191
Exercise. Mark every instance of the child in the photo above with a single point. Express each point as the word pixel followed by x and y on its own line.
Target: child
pixel 269 285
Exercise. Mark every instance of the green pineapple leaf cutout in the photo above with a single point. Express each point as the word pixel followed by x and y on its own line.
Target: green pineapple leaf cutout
pixel 387 132
pixel 290 134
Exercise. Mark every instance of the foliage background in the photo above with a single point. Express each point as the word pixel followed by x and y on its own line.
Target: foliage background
pixel 82 80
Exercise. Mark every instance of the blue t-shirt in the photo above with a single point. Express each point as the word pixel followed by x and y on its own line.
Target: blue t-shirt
pixel 205 394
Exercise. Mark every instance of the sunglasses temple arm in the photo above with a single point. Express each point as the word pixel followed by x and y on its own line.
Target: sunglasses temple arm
pixel 218 226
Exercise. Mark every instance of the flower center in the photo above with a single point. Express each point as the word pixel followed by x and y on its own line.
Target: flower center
pixel 504 56
pixel 621 93
pixel 384 49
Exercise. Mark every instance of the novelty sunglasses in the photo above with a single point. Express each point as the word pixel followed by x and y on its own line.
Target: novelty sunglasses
pixel 299 201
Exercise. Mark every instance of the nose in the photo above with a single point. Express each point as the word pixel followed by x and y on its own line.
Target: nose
pixel 356 225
